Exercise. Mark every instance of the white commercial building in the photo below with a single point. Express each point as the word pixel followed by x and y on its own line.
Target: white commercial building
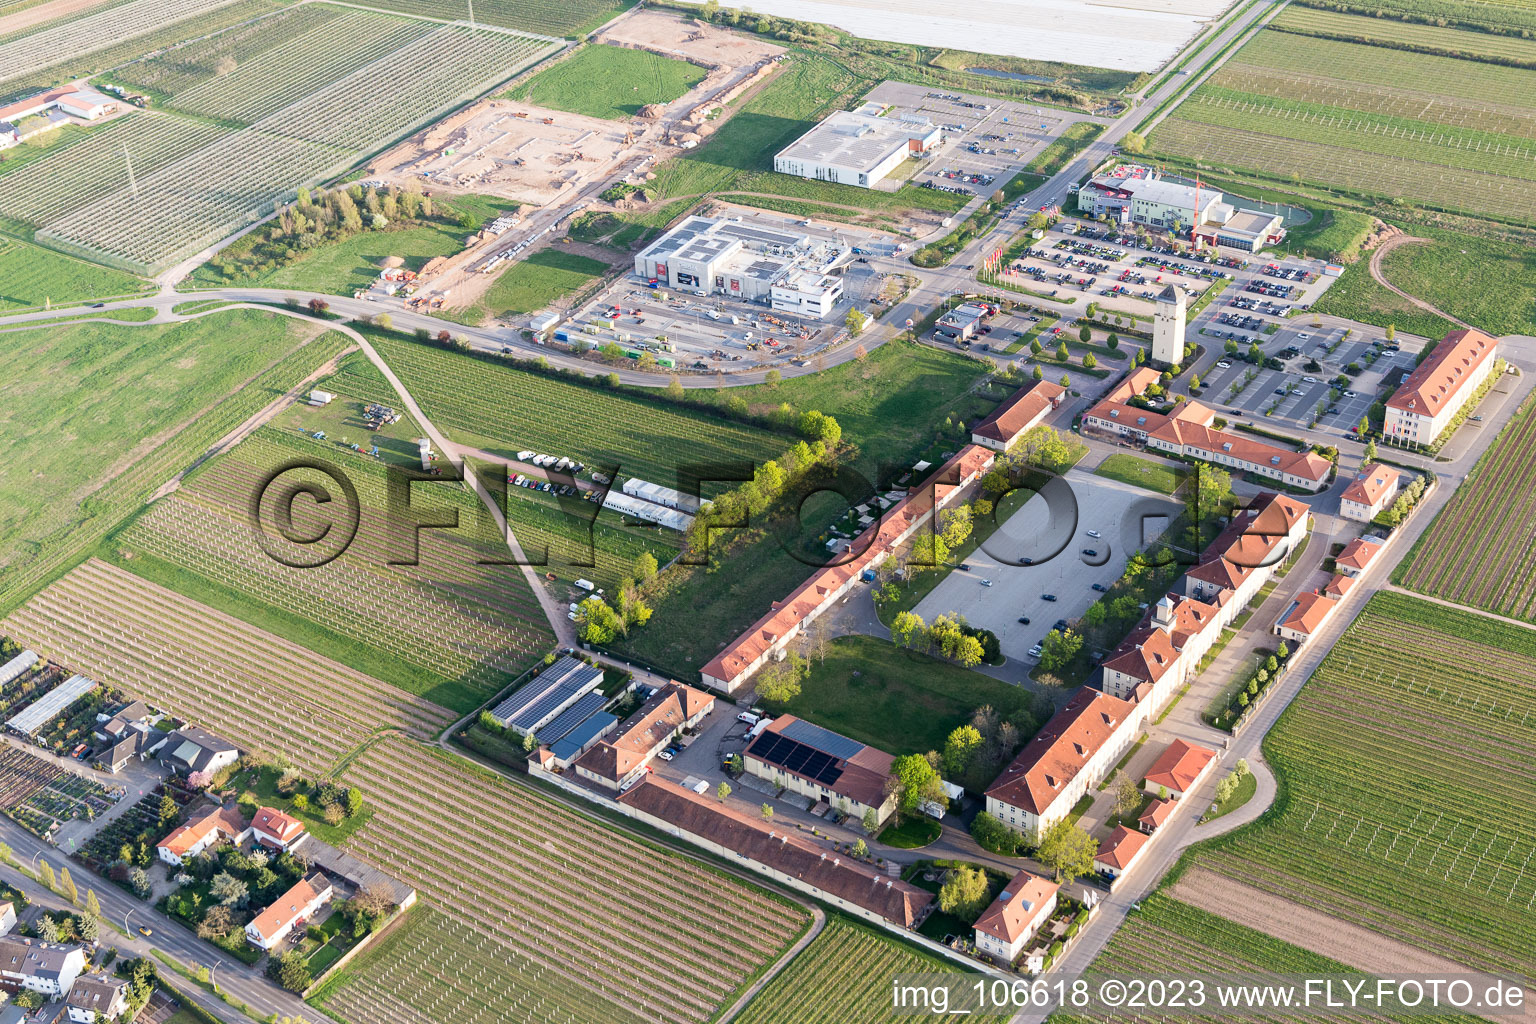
pixel 747 261
pixel 858 147
pixel 1434 393
pixel 1132 194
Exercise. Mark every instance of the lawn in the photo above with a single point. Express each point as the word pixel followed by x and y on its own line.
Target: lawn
pixel 1246 787
pixel 97 415
pixel 898 700
pixel 1066 146
pixel 1489 283
pixel 537 281
pixel 260 785
pixel 1139 472
pixel 609 82
pixel 912 832
pixel 1357 296
pixel 1406 802
pixel 33 276
pixel 342 267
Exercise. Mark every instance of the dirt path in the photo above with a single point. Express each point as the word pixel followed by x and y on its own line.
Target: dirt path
pixel 1376 257
pixel 1314 930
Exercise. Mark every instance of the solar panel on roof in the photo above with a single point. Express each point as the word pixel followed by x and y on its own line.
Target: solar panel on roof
pixel 826 740
pixel 572 717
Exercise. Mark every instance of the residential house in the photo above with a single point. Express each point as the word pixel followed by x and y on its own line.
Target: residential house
pixel 815 762
pixel 623 756
pixel 1305 616
pixel 1076 749
pixel 293 907
pixel 1019 413
pixel 1179 769
pixel 194 749
pixel 1338 586
pixel 1357 556
pixel 1372 490
pixel 1120 851
pixel 201 832
pixel 136 745
pixel 7 917
pixel 97 997
pixel 778 851
pixel 115 726
pixel 9 136
pixel 39 966
pixel 1431 396
pixel 1005 927
pixel 825 587
pixel 276 830
pixel 1155 816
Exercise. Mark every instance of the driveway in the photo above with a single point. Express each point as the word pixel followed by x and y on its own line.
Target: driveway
pixel 1051 530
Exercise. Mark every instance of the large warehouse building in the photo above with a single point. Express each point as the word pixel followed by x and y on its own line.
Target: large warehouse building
pixel 858 147
pixel 1133 194
pixel 782 269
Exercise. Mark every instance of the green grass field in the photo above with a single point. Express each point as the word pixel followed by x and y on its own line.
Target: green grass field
pixel 1453 271
pixel 1061 151
pixel 96 416
pixel 844 977
pixel 1154 476
pixel 1357 296
pixel 342 267
pixel 537 281
pixel 33 276
pixel 1408 797
pixel 898 700
pixel 609 82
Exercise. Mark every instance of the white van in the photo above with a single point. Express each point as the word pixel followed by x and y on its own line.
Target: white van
pixel 747 717
pixel 712 314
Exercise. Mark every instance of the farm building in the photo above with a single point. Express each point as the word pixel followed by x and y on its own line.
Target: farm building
pixel 778 852
pixel 1020 412
pixel 1431 396
pixel 818 763
pixel 858 147
pixel 704 256
pixel 1369 492
pixel 194 749
pixel 75 100
pixel 97 997
pixel 619 759
pixel 1120 851
pixel 189 840
pixel 629 505
pixel 47 707
pixel 16 667
pixel 659 495
pixel 574 731
pixel 1015 916
pixel 9 136
pixel 540 700
pixel 39 966
pixel 272 925
pixel 1179 768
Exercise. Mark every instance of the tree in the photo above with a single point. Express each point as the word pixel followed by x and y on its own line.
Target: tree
pixel 856 322
pixel 767 812
pixel 1194 380
pixel 199 781
pixel 1085 333
pixel 772 378
pixel 1283 651
pixel 1035 348
pixel 1065 381
pixel 598 623
pixel 67 886
pixel 1364 426
pixel 48 928
pixel 1370 450
pixel 354 801
pixel 1060 647
pixel 1162 792
pixel 1127 794
pixel 1241 769
pixel 916 782
pixel 928 552
pixel 374 899
pixel 290 971
pixel 1067 850
pixel 959 748
pixel 1113 342
pixel 301 801
pixel 45 874
pixel 779 682
pixel 139 881
pixel 92 904
pixel 385 321
pixel 1039 373
pixel 87 928
pixel 1225 788
pixel 871 821
pixel 955 525
pixel 1133 143
pixel 1391 332
pixel 1090 360
pixel 964 893
pixel 860 849
pixel 1062 352
pixel 723 790
pixel 228 890
pixel 217 923
pixel 991 834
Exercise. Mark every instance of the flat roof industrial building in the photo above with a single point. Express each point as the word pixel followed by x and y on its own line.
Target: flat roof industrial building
pixel 858 147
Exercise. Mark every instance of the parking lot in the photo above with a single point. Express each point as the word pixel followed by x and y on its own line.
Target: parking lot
pixel 1052 531
pixel 985 138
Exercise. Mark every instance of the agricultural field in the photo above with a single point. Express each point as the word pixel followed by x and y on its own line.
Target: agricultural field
pixel 41 796
pixel 1336 114
pixel 264 106
pixel 1480 550
pixel 137 405
pixel 513 926
pixel 502 409
pixel 1167 938
pixel 1409 797
pixel 449 628
pixel 534 283
pixel 842 977
pixel 271 696
pixel 32 276
pixel 570 18
pixel 1514 49
pixel 609 82
pixel 1493 19
pixel 75 37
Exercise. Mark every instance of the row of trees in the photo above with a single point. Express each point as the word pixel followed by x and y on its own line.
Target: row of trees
pixel 950 636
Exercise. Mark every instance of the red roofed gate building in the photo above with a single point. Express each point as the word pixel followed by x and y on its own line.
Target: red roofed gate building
pixel 1017 415
pixel 1432 395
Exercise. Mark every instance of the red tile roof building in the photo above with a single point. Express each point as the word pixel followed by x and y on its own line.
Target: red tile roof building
pixel 1357 555
pixel 273 828
pixel 1369 492
pixel 1338 586
pixel 1179 768
pixel 1305 616
pixel 862 773
pixel 1186 430
pixel 1024 409
pixel 1155 816
pixel 1120 851
pixel 1025 903
pixel 778 851
pixel 1432 395
pixel 771 633
pixel 623 755
pixel 201 832
pixel 272 925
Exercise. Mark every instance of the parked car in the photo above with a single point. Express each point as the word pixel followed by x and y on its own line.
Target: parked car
pixel 1091 552
pixel 1047 597
pixel 986 583
pixel 1036 651
pixel 1095 534
pixel 665 755
pixel 1023 620
pixel 963 567
pixel 1101 588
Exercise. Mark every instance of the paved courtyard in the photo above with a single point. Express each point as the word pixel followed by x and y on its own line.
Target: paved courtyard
pixel 1051 530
